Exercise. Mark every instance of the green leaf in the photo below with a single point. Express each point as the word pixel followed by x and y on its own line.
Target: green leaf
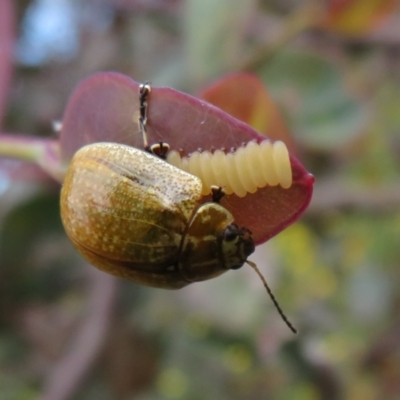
pixel 322 113
pixel 214 35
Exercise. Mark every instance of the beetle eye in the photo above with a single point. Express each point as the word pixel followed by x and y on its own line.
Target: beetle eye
pixel 231 233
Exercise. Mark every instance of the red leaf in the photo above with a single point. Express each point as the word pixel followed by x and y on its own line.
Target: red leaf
pixel 105 106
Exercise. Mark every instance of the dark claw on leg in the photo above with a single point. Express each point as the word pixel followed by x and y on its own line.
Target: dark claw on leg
pixel 217 193
pixel 159 149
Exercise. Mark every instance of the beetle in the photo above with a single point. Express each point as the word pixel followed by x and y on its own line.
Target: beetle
pixel 133 215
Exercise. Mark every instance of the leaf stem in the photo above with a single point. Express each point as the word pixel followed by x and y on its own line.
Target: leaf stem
pixel 43 152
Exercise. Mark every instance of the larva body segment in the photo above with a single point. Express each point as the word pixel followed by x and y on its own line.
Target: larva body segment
pixel 174 159
pixel 243 165
pixel 249 168
pixel 206 171
pixel 282 167
pixel 194 164
pixel 220 173
pixel 255 165
pixel 184 164
pixel 268 167
pixel 233 177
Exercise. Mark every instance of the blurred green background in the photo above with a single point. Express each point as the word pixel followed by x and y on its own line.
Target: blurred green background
pixel 69 332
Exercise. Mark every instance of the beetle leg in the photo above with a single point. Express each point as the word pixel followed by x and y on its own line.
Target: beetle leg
pixel 144 91
pixel 217 193
pixel 160 150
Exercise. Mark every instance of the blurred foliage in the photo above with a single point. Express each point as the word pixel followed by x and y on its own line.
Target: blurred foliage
pixel 322 113
pixel 335 273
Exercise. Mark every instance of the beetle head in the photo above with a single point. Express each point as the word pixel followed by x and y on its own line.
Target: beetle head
pixel 235 245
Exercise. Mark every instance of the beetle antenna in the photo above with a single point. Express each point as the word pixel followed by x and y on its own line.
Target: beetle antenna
pixel 288 323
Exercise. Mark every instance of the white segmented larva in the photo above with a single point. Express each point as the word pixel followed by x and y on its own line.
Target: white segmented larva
pixel 244 171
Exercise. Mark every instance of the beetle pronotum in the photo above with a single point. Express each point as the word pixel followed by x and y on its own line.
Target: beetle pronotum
pixel 244 171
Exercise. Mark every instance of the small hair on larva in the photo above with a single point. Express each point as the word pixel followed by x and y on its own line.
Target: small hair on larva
pixel 244 171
